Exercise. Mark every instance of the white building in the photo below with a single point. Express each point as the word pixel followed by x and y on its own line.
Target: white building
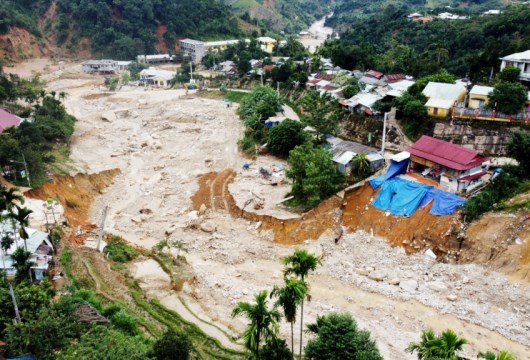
pixel 520 60
pixel 156 77
pixel 100 66
pixel 195 49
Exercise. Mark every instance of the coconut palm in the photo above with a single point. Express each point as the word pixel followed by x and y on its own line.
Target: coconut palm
pixel 289 297
pixel 263 321
pixel 8 199
pixel 503 355
pixel 432 346
pixel 300 264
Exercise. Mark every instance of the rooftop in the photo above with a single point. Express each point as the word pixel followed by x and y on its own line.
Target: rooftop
pixel 450 155
pixel 7 119
pixel 481 90
pixel 443 91
pixel 525 55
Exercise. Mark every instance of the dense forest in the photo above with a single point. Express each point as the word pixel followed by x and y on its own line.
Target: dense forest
pixel 387 41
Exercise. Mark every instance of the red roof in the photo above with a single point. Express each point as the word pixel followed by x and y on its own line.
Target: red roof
pixel 450 155
pixel 473 176
pixel 329 88
pixel 268 67
pixel 374 74
pixel 7 119
pixel 392 78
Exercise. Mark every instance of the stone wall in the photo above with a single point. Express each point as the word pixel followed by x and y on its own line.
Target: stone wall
pixel 486 140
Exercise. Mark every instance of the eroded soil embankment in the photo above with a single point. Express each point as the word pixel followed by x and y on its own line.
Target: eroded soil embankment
pixel 415 233
pixel 75 193
pixel 214 194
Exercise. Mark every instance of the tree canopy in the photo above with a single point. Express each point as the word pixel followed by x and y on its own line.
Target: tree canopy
pixel 313 174
pixel 321 112
pixel 338 338
pixel 285 136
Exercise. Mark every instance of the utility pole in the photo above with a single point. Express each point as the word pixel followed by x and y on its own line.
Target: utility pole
pixel 100 237
pixel 384 136
pixel 10 279
pixel 191 72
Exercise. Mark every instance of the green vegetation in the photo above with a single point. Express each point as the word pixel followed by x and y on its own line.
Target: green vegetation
pixel 22 13
pixel 508 95
pixel 313 175
pixel 321 112
pixel 120 251
pixel 378 35
pixel 337 337
pixel 432 346
pixel 285 136
pixel 511 181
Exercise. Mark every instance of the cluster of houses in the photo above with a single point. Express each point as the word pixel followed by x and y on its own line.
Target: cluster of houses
pixel 417 17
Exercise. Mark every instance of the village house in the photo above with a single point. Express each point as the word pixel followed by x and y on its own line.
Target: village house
pixel 454 167
pixel 8 120
pixel 100 66
pixel 479 96
pixel 520 60
pixel 443 97
pixel 156 77
pixel 344 152
pixel 37 244
pixel 267 43
pixel 154 59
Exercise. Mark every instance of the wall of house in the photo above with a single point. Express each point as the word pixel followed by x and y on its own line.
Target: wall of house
pixel 438 112
pixel 475 101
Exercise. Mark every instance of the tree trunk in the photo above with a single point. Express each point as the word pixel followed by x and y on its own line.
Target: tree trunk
pixel 292 337
pixel 257 344
pixel 301 326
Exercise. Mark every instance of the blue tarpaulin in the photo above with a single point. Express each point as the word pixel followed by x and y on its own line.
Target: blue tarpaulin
pixel 395 168
pixel 444 203
pixel 403 197
pixel 400 197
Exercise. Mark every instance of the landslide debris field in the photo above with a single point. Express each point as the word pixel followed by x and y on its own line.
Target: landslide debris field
pixel 167 164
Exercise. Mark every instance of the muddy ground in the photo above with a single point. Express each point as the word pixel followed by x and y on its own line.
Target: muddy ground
pixel 181 176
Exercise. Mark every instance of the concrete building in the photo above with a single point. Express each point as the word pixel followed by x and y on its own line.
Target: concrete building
pixel 100 66
pixel 156 77
pixel 267 43
pixel 520 60
pixel 195 49
pixel 154 59
pixel 479 96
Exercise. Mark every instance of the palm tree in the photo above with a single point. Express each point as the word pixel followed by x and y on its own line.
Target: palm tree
pixel 431 346
pixel 362 163
pixel 22 217
pixel 503 355
pixel 289 297
pixel 263 321
pixel 8 199
pixel 62 95
pixel 300 264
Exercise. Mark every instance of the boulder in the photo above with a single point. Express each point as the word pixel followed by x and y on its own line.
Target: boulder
pixel 452 297
pixel 376 276
pixel 394 281
pixel 208 227
pixel 109 116
pixel 437 286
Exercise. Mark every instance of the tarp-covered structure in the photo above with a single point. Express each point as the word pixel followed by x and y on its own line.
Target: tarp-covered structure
pixel 402 197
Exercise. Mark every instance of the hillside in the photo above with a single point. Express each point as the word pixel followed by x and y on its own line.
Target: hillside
pixel 110 28
pixel 282 15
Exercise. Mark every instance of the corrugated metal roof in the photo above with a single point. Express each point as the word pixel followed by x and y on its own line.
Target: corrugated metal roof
pixel 481 90
pixel 440 103
pixel 7 119
pixel 443 91
pixel 450 155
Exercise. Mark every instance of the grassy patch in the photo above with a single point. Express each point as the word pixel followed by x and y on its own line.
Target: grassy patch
pixel 119 251
pixel 62 164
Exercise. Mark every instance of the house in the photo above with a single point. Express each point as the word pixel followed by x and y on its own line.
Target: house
pixel 8 120
pixel 520 60
pixel 454 167
pixel 343 153
pixel 478 96
pixel 157 77
pixel 374 74
pixel 100 66
pixel 267 43
pixel 397 89
pixel 362 102
pixel 491 12
pixel 38 244
pixel 450 16
pixel 414 16
pixel 443 97
pixel 154 59
pixel 123 65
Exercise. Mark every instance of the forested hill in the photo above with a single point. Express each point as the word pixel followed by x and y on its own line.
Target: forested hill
pixel 390 43
pixel 290 16
pixel 120 29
